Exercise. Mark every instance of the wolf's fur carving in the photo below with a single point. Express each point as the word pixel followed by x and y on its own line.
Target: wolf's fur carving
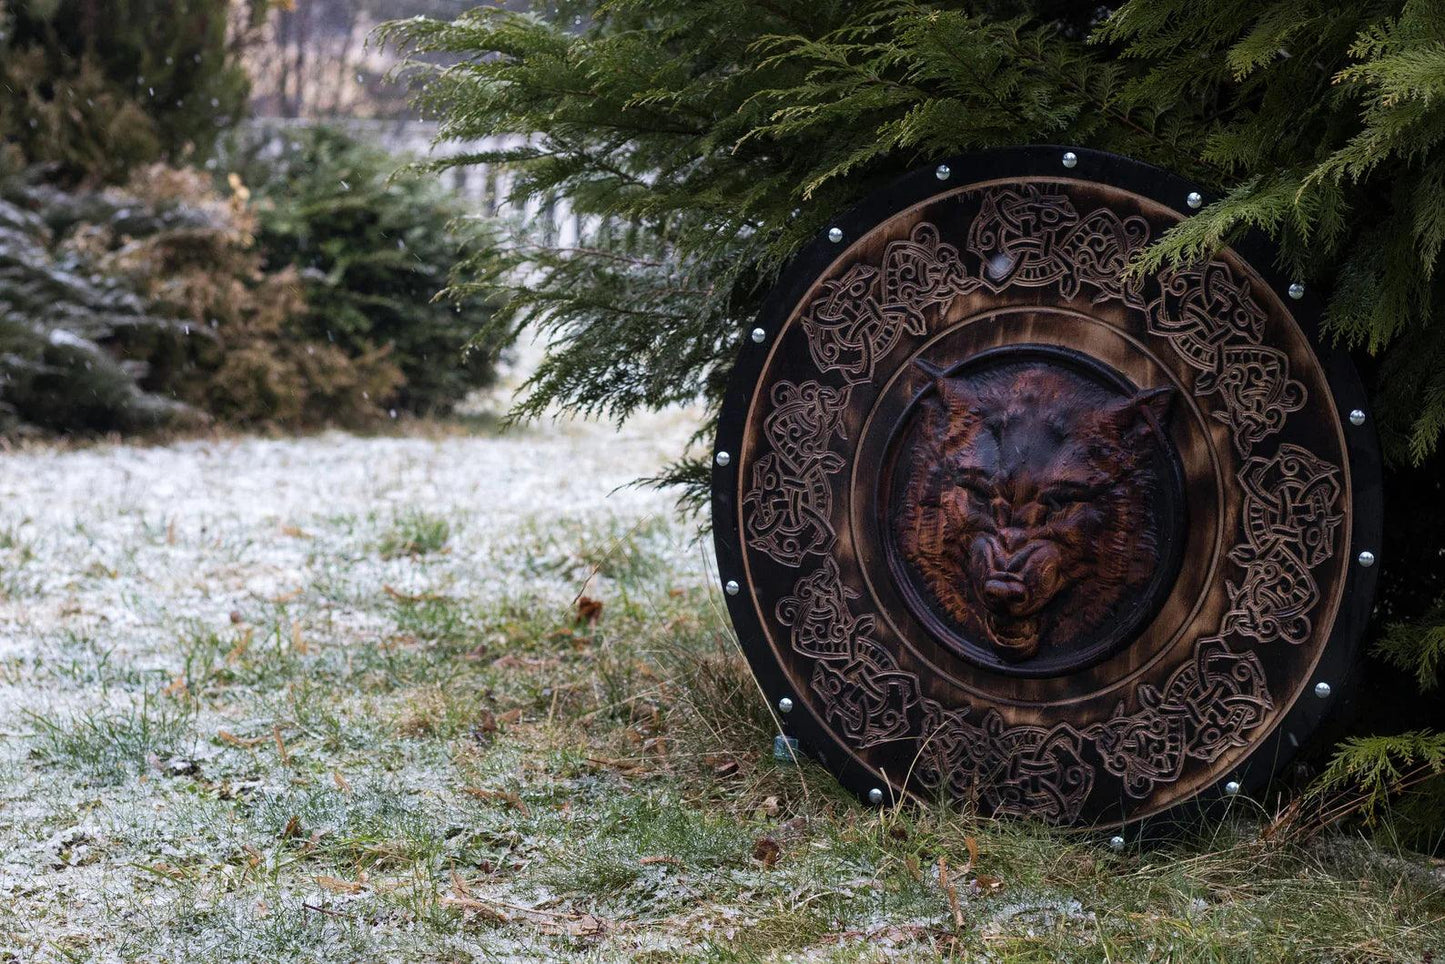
pixel 1026 503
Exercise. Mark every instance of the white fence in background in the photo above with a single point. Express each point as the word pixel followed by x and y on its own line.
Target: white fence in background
pixel 482 184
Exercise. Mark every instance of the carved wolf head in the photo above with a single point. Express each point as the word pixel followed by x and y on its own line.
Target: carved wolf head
pixel 1026 502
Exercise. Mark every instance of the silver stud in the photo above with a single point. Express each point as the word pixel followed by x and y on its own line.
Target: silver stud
pixel 942 172
pixel 1232 787
pixel 1071 159
pixel 723 458
pixel 1322 689
pixel 1296 291
pixel 835 235
pixel 785 705
pixel 759 335
pixel 1194 199
pixel 1357 416
pixel 1366 558
pixel 875 796
pixel 1116 843
pixel 732 588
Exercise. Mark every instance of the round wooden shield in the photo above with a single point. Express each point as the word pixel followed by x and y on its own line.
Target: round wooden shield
pixel 1002 523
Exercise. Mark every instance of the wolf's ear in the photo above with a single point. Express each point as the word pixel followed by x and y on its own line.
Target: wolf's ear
pixel 955 399
pixel 1143 412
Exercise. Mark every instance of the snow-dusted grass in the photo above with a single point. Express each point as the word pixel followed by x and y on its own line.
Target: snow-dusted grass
pixel 346 699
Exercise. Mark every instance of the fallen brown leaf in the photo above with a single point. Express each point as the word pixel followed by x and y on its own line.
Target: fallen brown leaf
pixel 589 610
pixel 462 897
pixel 766 850
pixel 987 884
pixel 226 736
pixel 485 726
pixel 506 796
pixel 400 596
pixel 669 861
pixel 951 891
pixel 587 926
pixel 338 886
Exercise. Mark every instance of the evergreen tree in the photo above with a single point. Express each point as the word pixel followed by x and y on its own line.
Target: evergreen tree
pixel 373 247
pixel 98 87
pixel 711 138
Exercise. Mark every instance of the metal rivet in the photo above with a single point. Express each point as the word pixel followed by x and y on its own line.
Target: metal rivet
pixel 732 588
pixel 1070 159
pixel 1194 199
pixel 1296 291
pixel 759 335
pixel 1116 843
pixel 941 172
pixel 875 796
pixel 1232 787
pixel 1367 558
pixel 835 235
pixel 785 705
pixel 1357 416
pixel 723 458
pixel 1322 689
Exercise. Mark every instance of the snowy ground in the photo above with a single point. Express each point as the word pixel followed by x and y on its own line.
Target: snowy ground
pixel 353 699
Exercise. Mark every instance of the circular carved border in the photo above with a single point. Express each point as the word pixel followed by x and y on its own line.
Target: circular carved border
pixel 1222 689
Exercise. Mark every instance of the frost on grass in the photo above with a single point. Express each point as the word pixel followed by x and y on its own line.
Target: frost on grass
pixel 474 699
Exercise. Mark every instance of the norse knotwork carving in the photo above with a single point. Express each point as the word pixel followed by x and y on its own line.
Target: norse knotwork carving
pixel 790 501
pixel 1291 514
pixel 860 316
pixel 1214 322
pixel 1027 771
pixel 1208 706
pixel 857 680
pixel 1033 236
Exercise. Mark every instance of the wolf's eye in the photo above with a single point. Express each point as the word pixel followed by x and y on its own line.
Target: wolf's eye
pixel 1055 503
pixel 970 483
pixel 1058 500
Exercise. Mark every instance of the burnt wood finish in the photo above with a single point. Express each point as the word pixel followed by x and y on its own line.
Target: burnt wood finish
pixel 1018 529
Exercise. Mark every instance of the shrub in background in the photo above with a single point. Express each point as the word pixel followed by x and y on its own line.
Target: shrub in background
pixel 170 300
pixel 147 306
pixel 720 136
pixel 95 87
pixel 373 247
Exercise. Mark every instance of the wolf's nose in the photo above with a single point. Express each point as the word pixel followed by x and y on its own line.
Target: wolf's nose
pixel 1003 593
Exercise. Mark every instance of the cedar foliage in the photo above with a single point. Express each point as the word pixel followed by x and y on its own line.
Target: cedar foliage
pixel 710 138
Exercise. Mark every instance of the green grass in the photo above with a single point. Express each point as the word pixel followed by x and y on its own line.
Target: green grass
pixel 415 533
pixel 457 774
pixel 110 746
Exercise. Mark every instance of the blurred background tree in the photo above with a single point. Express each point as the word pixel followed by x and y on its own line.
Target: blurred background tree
pixel 96 87
pixel 163 266
pixel 707 141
